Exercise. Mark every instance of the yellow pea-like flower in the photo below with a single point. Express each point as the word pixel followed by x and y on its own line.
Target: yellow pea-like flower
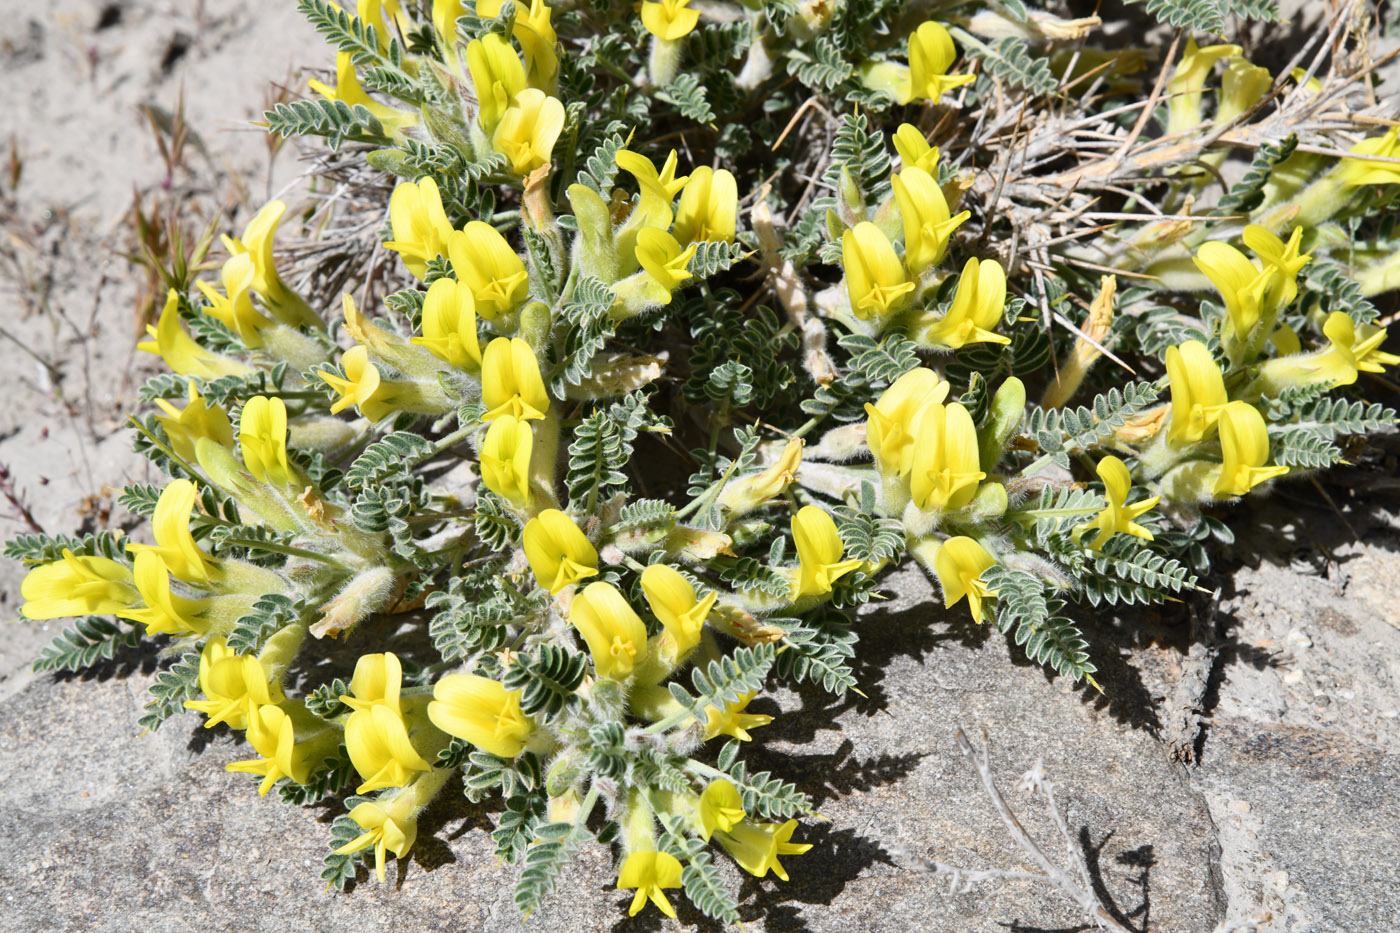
pixel 348 89
pixel 669 20
pixel 77 586
pixel 234 686
pixel 1358 172
pixel 819 550
pixel 650 873
pixel 511 383
pixel 377 681
pixel 1244 446
pixel 389 826
pixel 915 151
pixel 559 553
pixel 361 386
pixel 1188 81
pixel 1241 88
pixel 505 459
pixel 481 711
pixel 673 600
pixel 928 224
pixel 449 325
pixel 180 351
pixel 709 207
pixel 164 612
pixel 234 309
pixel 756 846
pixel 272 734
pixel 420 225
pixel 184 427
pixel 616 637
pixel 721 808
pixel 748 492
pixel 497 75
pixel 256 241
pixel 1198 392
pixel 663 259
pixel 380 749
pixel 733 721
pixel 171 527
pixel 483 260
pixel 536 35
pixel 1285 259
pixel 875 278
pixel 959 564
pixel 945 468
pixel 1241 283
pixel 931 54
pixel 977 307
pixel 891 430
pixel 1117 516
pixel 658 188
pixel 445 14
pixel 1345 357
pixel 528 130
pixel 262 436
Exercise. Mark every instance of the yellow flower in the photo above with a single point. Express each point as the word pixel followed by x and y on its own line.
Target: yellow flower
pixel 945 468
pixel 536 35
pixel 960 563
pixel 927 221
pixel 495 273
pixel 1117 516
pixel 616 637
pixel 663 259
pixel 1240 282
pixel 377 680
pixel 1282 258
pixel 1355 172
pixel 256 243
pixel 505 459
pixel 819 550
pixel 669 20
pixel 1198 392
pixel 931 54
pixel 1244 446
pixel 273 736
pixel 1188 81
pixel 235 308
pixel 733 721
pixel 976 309
pixel 420 226
pixel 749 492
pixel 380 749
pixel 528 130
pixel 1244 83
pixel 361 386
pixel 915 151
pixel 445 15
pixel 234 686
pixel 179 350
pixel 890 432
pixel 657 188
pixel 510 381
pixel 197 419
pixel 650 872
pixel 171 527
pixel 388 825
pixel 77 586
pixel 497 75
pixel 558 552
pixel 164 612
pixel 348 89
pixel 449 325
pixel 756 846
pixel 673 600
pixel 262 436
pixel 1365 341
pixel 721 808
pixel 481 711
pixel 875 277
pixel 1338 365
pixel 709 207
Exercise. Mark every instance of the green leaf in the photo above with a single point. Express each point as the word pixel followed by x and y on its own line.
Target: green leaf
pixel 547 677
pixel 171 688
pixel 90 640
